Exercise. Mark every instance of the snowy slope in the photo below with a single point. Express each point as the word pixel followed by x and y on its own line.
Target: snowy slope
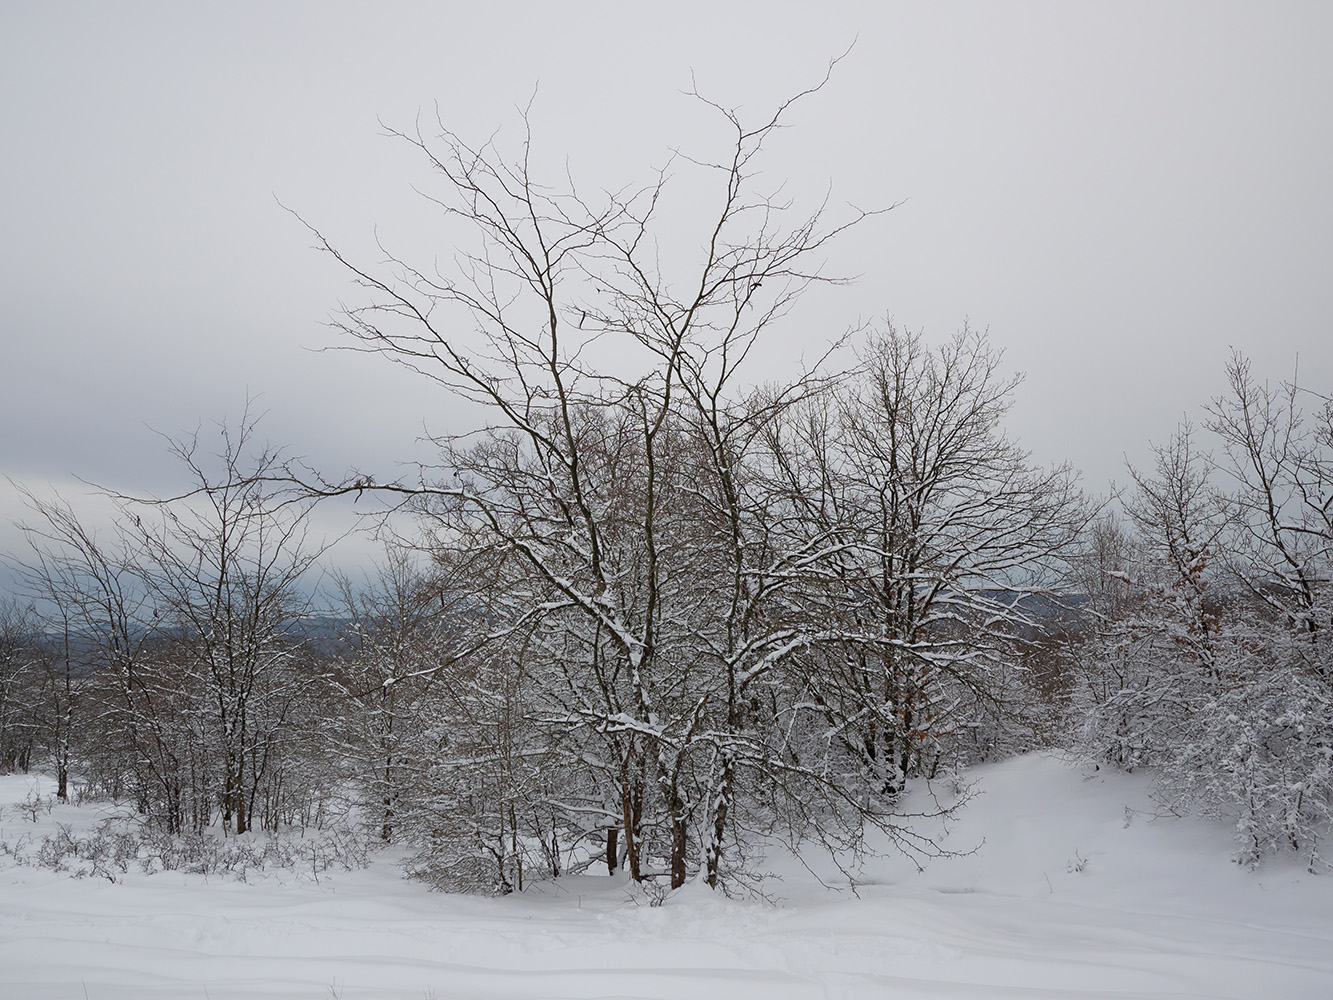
pixel 1077 892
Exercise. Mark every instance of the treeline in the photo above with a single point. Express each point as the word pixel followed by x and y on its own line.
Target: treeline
pixel 891 592
pixel 655 613
pixel 649 638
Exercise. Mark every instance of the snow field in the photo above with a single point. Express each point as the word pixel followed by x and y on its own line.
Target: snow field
pixel 1079 891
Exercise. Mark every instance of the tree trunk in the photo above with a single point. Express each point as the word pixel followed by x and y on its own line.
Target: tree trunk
pixel 631 801
pixel 679 839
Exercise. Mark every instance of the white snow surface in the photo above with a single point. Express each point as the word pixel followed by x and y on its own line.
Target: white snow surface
pixel 1080 890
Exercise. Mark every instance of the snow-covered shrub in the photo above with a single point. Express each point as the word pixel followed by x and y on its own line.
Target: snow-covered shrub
pixel 124 841
pixel 106 852
pixel 309 855
pixel 1260 757
pixel 1214 661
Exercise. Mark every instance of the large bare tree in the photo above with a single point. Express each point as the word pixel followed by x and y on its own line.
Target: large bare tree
pixel 946 532
pixel 613 477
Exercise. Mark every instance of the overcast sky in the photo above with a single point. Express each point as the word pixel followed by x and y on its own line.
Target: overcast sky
pixel 1119 192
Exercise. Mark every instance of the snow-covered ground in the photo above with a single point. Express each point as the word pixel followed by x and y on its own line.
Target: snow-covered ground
pixel 1077 892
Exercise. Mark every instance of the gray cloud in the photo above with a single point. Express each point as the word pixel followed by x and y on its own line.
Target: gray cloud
pixel 1120 192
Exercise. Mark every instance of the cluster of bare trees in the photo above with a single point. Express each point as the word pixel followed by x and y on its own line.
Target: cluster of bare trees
pixel 684 609
pixel 647 643
pixel 1211 602
pixel 23 676
pixel 170 663
pixel 654 611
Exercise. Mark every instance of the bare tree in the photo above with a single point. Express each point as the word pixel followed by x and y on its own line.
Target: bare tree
pixel 613 482
pixel 1155 648
pixel 1280 506
pixel 405 636
pixel 89 603
pixel 945 530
